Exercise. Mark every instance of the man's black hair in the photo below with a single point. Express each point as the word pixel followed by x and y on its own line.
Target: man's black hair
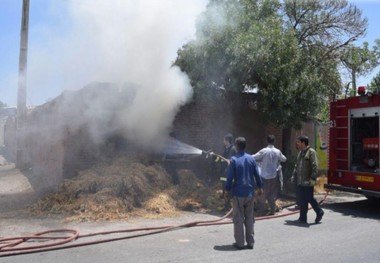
pixel 271 139
pixel 229 138
pixel 240 143
pixel 304 139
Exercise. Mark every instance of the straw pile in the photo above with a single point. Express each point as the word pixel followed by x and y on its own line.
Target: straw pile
pixel 320 184
pixel 122 189
pixel 128 187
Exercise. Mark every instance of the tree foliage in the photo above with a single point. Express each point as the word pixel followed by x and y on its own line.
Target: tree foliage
pixel 324 25
pixel 360 61
pixel 375 83
pixel 288 50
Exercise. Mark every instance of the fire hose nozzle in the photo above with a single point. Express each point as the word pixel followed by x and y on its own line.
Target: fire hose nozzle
pixel 207 153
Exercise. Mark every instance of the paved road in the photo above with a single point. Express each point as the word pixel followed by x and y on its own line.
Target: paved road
pixel 15 188
pixel 349 232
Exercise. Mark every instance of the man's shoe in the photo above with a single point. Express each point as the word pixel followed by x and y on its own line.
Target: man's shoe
pixel 237 246
pixel 319 217
pixel 250 246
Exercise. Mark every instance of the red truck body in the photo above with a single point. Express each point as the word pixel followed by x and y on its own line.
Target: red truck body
pixel 354 146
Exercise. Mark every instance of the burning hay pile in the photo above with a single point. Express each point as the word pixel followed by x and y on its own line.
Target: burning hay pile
pixel 122 189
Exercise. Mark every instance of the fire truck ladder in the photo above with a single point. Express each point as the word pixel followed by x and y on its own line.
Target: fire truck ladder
pixel 341 136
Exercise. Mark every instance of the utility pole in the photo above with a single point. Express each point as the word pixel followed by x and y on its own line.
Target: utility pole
pixel 21 94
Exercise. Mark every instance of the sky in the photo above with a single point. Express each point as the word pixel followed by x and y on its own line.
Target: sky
pixel 371 10
pixel 75 42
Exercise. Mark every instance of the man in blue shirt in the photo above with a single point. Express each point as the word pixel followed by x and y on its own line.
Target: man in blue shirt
pixel 242 175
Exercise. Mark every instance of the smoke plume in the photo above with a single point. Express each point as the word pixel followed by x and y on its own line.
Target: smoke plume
pixel 118 41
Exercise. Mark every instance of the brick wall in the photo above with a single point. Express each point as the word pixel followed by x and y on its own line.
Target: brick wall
pixel 204 124
pixel 55 151
pixel 307 129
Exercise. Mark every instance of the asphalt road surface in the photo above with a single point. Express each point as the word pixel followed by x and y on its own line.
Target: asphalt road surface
pixel 349 232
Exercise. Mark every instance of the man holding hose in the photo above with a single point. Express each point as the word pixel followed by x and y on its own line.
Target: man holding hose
pixel 228 152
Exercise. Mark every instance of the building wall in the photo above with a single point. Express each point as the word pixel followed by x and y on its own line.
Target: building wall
pixel 204 124
pixel 54 150
pixel 307 129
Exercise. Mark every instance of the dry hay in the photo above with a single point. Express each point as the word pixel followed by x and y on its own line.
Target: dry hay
pixel 124 189
pixel 320 184
pixel 127 188
pixel 189 184
pixel 193 194
pixel 107 191
pixel 161 205
pixel 281 203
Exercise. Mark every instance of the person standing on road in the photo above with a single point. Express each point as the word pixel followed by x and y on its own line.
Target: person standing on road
pixel 242 175
pixel 270 159
pixel 305 174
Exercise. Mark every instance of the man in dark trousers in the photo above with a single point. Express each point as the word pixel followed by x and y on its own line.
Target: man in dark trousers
pixel 228 152
pixel 242 175
pixel 305 174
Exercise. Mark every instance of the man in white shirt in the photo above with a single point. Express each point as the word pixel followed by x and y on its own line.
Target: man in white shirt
pixel 269 159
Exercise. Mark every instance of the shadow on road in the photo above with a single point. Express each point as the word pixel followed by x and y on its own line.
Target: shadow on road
pixel 362 208
pixel 296 223
pixel 225 248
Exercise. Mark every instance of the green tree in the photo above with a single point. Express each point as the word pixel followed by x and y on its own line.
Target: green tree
pixel 325 25
pixel 286 49
pixel 375 83
pixel 325 28
pixel 359 61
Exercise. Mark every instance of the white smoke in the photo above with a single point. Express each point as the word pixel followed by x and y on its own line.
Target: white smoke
pixel 119 41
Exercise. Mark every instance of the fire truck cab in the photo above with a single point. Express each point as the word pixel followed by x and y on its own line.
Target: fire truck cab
pixel 354 144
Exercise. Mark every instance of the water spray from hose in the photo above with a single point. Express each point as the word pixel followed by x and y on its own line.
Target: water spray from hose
pixel 174 146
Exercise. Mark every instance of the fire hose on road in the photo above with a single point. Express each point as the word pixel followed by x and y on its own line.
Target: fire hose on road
pixel 54 240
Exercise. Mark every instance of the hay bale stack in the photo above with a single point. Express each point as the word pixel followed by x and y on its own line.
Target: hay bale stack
pixel 107 191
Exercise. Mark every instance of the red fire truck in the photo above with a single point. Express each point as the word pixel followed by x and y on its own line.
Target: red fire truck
pixel 354 144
